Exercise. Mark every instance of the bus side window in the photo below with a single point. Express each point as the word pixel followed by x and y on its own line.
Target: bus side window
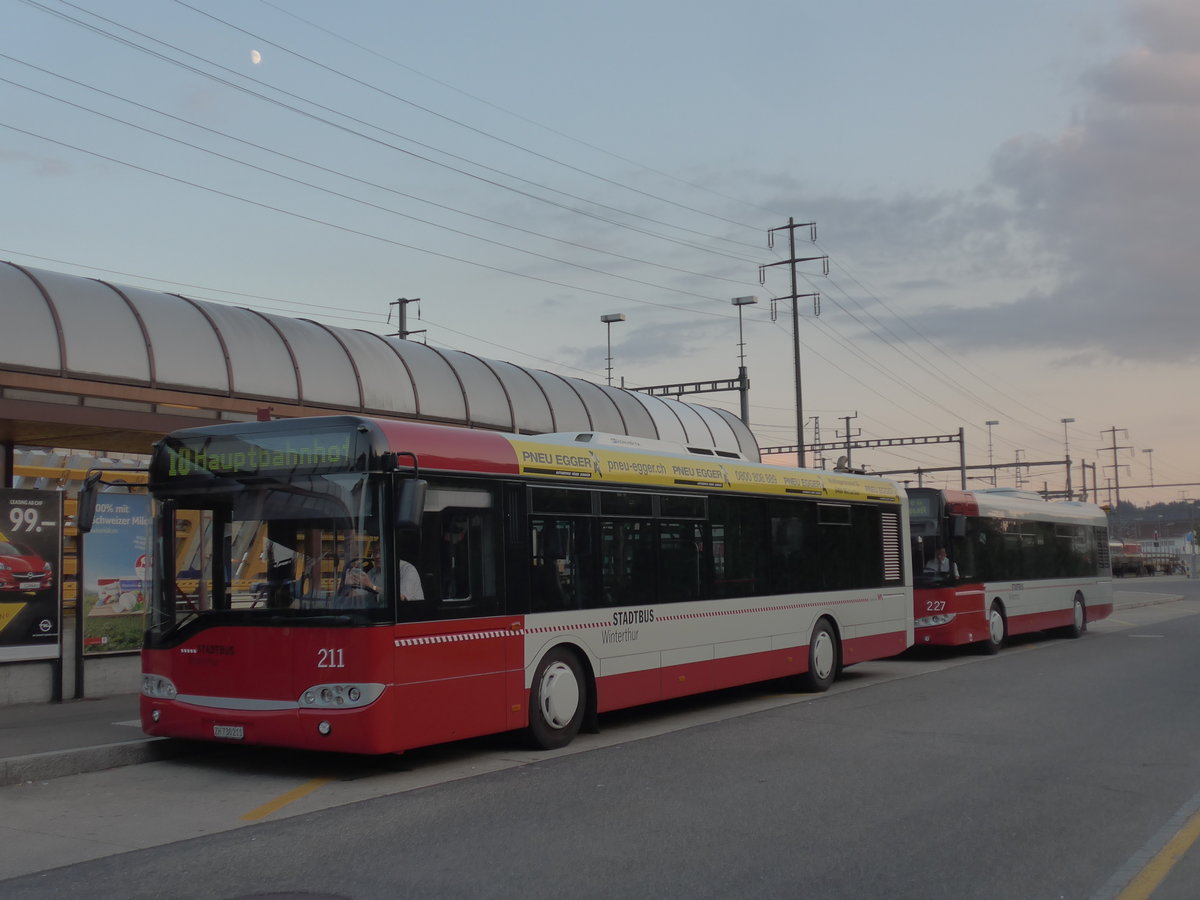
pixel 628 559
pixel 561 563
pixel 459 565
pixel 681 557
pixel 545 584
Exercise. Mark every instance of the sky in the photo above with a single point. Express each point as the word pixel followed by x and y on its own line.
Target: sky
pixel 1006 197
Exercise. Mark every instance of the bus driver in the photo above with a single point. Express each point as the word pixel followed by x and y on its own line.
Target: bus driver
pixel 941 565
pixel 368 579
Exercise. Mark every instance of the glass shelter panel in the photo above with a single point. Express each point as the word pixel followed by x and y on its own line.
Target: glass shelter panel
pixel 326 374
pixel 531 409
pixel 261 363
pixel 35 343
pixel 183 343
pixel 102 335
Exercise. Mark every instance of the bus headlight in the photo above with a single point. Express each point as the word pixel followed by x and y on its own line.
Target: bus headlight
pixel 930 621
pixel 340 696
pixel 158 687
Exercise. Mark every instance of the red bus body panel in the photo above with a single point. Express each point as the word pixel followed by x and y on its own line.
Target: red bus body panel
pixel 969 603
pixel 964 601
pixel 444 681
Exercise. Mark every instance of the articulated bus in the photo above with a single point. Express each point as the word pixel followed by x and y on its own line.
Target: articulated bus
pixel 369 586
pixel 993 563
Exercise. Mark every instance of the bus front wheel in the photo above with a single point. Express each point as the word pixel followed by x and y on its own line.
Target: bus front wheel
pixel 996 629
pixel 557 700
pixel 823 655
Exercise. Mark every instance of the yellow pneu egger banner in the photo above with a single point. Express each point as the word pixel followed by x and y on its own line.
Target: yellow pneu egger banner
pixel 580 462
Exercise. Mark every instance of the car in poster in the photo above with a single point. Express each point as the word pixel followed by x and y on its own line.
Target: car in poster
pixel 22 569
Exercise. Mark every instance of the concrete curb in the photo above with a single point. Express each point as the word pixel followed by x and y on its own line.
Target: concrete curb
pixel 59 763
pixel 1148 600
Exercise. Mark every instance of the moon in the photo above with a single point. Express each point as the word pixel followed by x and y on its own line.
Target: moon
pixel 255 57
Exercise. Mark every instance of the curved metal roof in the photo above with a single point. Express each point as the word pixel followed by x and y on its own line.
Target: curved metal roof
pixel 86 328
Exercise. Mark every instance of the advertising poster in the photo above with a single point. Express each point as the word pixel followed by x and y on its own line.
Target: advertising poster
pixel 116 574
pixel 30 574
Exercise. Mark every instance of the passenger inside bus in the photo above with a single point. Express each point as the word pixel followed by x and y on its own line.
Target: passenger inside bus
pixel 455 563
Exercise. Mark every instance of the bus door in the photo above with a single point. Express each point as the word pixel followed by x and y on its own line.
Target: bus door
pixel 453 647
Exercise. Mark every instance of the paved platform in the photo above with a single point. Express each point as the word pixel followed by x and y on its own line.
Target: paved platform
pixel 40 741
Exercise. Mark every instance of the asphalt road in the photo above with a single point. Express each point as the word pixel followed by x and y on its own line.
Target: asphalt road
pixel 1057 769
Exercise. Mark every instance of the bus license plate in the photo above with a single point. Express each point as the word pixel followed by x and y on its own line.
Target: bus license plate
pixel 231 732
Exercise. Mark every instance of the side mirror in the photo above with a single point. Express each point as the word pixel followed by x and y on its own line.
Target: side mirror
pixel 86 512
pixel 410 502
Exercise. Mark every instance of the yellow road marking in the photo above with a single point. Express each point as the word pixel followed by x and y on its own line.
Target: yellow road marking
pixel 283 800
pixel 1153 873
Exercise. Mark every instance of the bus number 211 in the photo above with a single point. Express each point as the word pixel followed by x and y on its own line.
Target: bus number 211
pixel 330 658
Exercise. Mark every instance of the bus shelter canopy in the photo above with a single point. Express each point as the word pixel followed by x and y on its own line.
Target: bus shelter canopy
pixel 88 357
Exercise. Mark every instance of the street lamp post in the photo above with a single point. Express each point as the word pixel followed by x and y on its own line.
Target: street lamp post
pixel 991 462
pixel 608 323
pixel 743 381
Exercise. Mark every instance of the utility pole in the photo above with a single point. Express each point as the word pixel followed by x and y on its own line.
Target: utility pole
pixel 848 435
pixel 792 262
pixel 1112 433
pixel 962 458
pixel 403 331
pixel 991 459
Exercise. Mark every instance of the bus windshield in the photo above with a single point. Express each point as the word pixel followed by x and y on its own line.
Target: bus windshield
pixel 933 557
pixel 297 548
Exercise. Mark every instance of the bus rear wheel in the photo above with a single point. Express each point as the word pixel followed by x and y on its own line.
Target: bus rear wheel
pixel 996 629
pixel 557 700
pixel 823 658
pixel 1078 620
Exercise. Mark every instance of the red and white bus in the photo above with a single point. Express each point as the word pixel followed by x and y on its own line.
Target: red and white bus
pixel 993 563
pixel 523 582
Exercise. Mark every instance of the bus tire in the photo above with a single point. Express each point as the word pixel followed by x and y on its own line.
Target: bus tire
pixel 824 658
pixel 1078 620
pixel 997 629
pixel 557 700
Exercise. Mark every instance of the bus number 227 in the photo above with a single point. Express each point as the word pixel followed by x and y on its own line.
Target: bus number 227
pixel 331 658
pixel 935 606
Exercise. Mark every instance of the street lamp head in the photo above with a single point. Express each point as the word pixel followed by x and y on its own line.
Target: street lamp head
pixel 1066 421
pixel 743 301
pixel 992 422
pixel 612 317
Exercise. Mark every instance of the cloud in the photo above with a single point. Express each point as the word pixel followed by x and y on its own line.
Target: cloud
pixel 48 166
pixel 653 343
pixel 1113 202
